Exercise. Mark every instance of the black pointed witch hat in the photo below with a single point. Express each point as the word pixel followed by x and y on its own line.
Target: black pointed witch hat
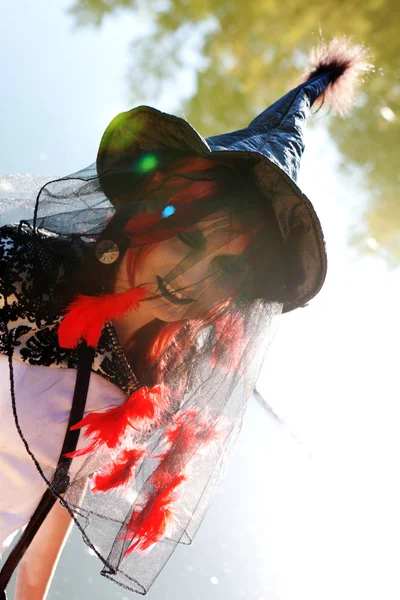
pixel 272 145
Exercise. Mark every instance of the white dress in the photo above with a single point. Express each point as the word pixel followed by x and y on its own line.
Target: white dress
pixel 44 378
pixel 44 397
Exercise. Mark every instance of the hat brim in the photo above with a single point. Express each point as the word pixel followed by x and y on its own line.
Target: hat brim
pixel 134 137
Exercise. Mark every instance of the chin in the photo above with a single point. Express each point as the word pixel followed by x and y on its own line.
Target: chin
pixel 168 315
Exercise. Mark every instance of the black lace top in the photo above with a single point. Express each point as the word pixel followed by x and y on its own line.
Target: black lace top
pixel 29 273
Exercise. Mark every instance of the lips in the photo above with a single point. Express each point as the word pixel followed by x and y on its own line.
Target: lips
pixel 170 293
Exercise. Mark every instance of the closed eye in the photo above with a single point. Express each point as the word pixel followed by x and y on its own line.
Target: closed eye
pixel 230 264
pixel 193 238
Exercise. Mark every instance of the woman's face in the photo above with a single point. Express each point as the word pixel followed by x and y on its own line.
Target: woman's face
pixel 188 274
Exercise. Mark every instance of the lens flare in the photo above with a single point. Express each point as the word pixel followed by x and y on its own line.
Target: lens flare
pixel 146 163
pixel 168 211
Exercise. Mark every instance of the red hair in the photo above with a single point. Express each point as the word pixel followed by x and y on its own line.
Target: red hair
pixel 184 183
pixel 179 185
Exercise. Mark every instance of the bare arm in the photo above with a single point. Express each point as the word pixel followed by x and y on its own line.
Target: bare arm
pixel 38 565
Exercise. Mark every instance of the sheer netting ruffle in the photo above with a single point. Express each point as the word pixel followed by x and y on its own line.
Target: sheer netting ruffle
pixel 161 471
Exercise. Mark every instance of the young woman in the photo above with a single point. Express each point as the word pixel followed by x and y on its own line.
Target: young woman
pixel 157 273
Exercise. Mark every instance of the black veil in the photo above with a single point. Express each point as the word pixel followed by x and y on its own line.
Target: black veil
pixel 210 368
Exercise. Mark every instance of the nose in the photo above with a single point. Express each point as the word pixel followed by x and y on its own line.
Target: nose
pixel 195 278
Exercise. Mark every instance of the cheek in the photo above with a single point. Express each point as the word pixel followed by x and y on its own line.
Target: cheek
pixel 142 267
pixel 158 259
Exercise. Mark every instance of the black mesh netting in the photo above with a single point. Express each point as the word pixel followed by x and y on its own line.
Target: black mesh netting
pixel 209 362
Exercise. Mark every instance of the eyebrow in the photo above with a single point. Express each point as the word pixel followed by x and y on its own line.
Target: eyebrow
pixel 222 236
pixel 214 228
pixel 223 223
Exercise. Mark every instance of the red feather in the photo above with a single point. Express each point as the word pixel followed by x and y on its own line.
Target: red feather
pixel 175 459
pixel 347 63
pixel 87 315
pixel 119 473
pixel 141 410
pixel 186 439
pixel 172 432
pixel 151 524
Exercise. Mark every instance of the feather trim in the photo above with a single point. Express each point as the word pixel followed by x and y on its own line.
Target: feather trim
pixel 142 409
pixel 87 315
pixel 347 63
pixel 151 524
pixel 119 473
pixel 185 437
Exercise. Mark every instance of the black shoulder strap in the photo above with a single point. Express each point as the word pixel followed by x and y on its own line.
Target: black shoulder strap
pixel 61 480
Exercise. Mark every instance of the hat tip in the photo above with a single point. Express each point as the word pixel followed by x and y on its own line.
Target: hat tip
pixel 347 64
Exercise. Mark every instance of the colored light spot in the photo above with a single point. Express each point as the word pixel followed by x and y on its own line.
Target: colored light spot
pixel 147 163
pixel 168 211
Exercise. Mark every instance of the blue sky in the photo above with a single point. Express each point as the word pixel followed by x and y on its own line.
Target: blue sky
pixel 60 85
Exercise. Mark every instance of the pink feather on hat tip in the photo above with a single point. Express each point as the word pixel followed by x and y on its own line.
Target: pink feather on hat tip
pixel 348 62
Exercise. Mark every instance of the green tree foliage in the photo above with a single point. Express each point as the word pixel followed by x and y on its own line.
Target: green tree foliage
pixel 251 53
